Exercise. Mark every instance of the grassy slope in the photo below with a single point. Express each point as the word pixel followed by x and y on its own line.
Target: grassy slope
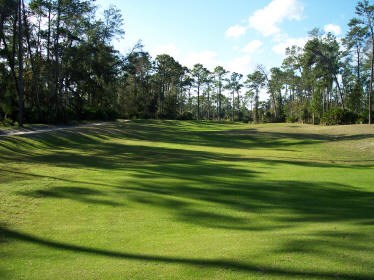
pixel 182 200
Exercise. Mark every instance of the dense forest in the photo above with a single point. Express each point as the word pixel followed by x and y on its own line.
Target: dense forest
pixel 58 64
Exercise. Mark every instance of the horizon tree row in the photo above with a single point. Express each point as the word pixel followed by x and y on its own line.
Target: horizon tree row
pixel 58 64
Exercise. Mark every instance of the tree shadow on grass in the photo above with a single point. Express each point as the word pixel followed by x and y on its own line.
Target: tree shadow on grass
pixel 205 177
pixel 106 155
pixel 19 174
pixel 300 202
pixel 208 263
pixel 93 149
pixel 175 132
pixel 186 188
pixel 350 247
pixel 73 193
pixel 172 132
pixel 201 188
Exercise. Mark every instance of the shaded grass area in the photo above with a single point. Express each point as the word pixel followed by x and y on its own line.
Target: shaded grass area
pixel 188 200
pixel 195 262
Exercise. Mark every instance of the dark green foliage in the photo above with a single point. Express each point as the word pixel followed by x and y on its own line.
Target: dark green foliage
pixel 68 60
pixel 71 71
pixel 292 119
pixel 333 116
pixel 92 113
pixel 350 117
pixel 336 116
pixel 246 120
pixel 268 117
pixel 185 116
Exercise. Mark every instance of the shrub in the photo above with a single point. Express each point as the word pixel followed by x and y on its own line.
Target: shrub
pixel 161 116
pixel 268 117
pixel 335 116
pixel 292 119
pixel 247 119
pixel 186 116
pixel 362 118
pixel 92 113
pixel 332 116
pixel 349 117
pixel 240 116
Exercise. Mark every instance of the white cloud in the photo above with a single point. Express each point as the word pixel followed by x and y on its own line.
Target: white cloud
pixel 263 94
pixel 335 29
pixel 281 47
pixel 169 49
pixel 235 31
pixel 124 46
pixel 209 59
pixel 252 46
pixel 206 58
pixel 267 19
pixel 242 65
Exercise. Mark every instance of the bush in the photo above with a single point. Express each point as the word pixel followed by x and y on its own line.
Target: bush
pixel 362 118
pixel 7 123
pixel 160 116
pixel 292 119
pixel 335 116
pixel 349 117
pixel 247 119
pixel 281 117
pixel 240 116
pixel 186 116
pixel 111 114
pixel 268 117
pixel 92 113
pixel 332 116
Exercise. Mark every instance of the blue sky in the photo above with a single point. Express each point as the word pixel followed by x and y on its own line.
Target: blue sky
pixel 237 34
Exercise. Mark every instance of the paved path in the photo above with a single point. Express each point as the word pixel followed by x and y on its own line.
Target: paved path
pixel 48 129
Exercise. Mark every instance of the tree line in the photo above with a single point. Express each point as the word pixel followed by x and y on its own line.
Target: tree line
pixel 58 64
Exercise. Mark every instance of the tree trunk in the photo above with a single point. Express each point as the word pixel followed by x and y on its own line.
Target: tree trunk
pixel 371 80
pixel 358 65
pixel 34 75
pixel 38 48
pixel 20 63
pixel 57 63
pixel 198 101
pixel 339 90
pixel 274 105
pixel 255 111
pixel 49 34
pixel 189 99
pixel 209 104
pixel 233 106
pixel 11 58
pixel 238 104
pixel 219 100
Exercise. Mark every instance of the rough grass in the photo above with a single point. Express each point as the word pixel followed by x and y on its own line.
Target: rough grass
pixel 188 200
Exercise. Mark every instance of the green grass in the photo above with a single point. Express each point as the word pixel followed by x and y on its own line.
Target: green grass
pixel 188 200
pixel 6 126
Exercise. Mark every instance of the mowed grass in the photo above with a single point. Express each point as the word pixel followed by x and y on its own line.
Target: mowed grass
pixel 188 200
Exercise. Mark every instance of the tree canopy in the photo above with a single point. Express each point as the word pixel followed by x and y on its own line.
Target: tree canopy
pixel 58 63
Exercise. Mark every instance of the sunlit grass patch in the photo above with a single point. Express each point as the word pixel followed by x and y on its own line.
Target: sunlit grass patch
pixel 188 200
